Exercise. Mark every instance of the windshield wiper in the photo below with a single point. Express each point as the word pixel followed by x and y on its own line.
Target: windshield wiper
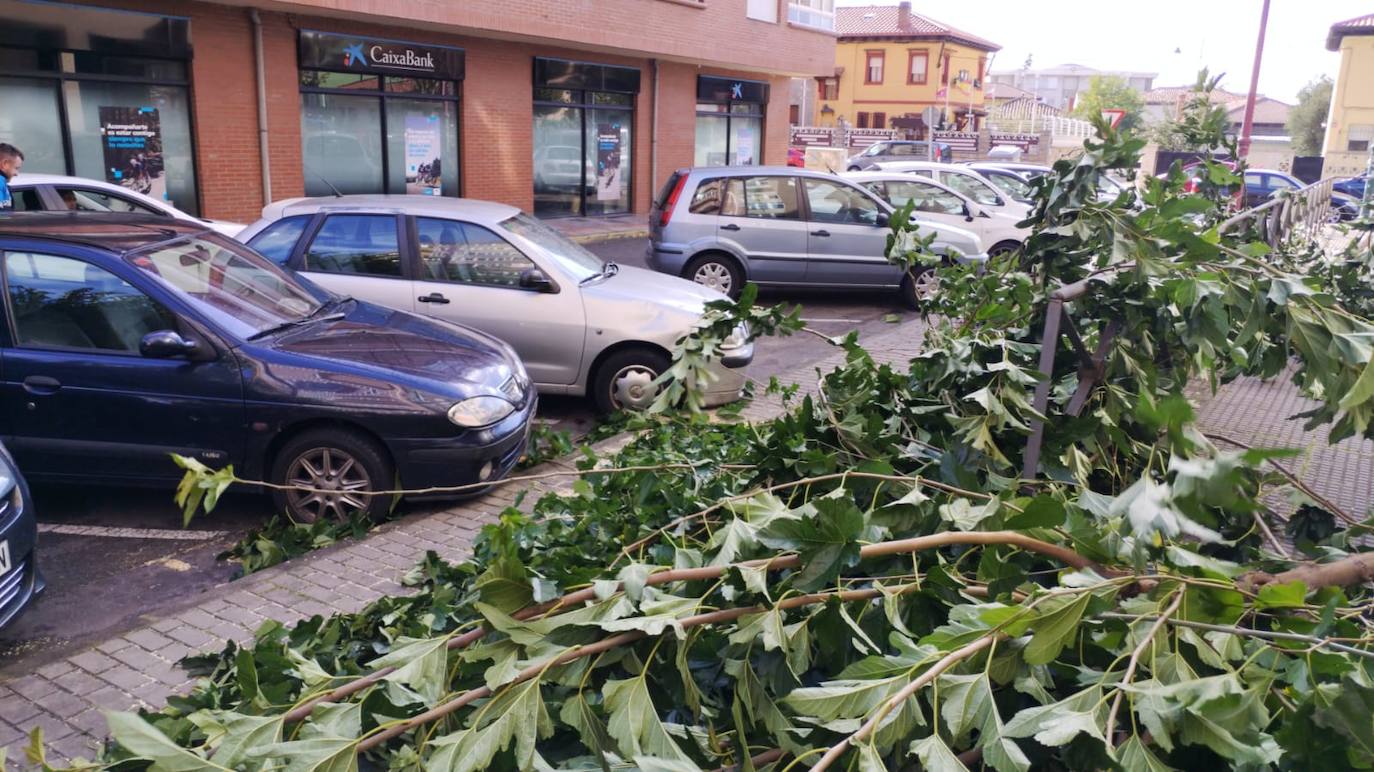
pixel 313 316
pixel 608 269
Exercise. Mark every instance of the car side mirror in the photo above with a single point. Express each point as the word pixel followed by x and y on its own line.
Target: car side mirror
pixel 882 220
pixel 968 214
pixel 166 344
pixel 535 279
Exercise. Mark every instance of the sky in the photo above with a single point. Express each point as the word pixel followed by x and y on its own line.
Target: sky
pixel 1171 37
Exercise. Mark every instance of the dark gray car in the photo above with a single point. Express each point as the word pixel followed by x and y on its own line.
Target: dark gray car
pixel 898 150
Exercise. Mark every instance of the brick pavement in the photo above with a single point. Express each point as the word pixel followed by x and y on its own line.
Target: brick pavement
pixel 66 697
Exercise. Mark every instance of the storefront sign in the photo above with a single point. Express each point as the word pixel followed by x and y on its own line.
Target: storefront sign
pixel 423 139
pixel 608 178
pixel 344 53
pixel 711 89
pixel 132 141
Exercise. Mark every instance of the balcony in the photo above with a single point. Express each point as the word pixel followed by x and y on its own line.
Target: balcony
pixel 816 14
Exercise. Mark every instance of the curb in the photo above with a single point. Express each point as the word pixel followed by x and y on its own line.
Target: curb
pixel 596 238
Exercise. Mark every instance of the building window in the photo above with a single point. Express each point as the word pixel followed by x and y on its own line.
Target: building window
pixel 880 120
pixel 861 121
pixel 944 71
pixel 812 13
pixel 918 64
pixel 583 138
pixel 982 63
pixel 1359 137
pixel 873 72
pixel 762 10
pixel 729 130
pixel 830 88
pixel 373 126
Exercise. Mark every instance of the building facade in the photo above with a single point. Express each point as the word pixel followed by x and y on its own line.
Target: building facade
pixel 1060 86
pixel 891 64
pixel 1350 124
pixel 560 109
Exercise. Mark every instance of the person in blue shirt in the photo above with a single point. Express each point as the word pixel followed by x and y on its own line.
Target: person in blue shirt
pixel 11 160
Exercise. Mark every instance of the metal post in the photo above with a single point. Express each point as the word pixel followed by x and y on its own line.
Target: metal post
pixel 1367 200
pixel 1244 148
pixel 1041 402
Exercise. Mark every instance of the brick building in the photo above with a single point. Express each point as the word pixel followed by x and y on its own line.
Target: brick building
pixel 562 108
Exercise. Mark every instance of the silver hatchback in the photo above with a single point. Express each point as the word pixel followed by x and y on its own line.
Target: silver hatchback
pixel 782 226
pixel 582 326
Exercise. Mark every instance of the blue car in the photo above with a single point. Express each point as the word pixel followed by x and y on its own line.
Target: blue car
pixel 1263 184
pixel 1353 187
pixel 20 580
pixel 132 337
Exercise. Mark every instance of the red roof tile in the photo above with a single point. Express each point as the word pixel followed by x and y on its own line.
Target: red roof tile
pixel 885 21
pixel 1360 25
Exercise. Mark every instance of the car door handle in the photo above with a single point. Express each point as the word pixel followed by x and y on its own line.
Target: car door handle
pixel 729 227
pixel 434 297
pixel 820 233
pixel 41 384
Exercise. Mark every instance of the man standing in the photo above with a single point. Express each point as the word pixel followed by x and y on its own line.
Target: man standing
pixel 11 160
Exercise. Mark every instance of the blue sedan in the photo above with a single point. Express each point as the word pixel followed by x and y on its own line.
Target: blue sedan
pixel 133 337
pixel 20 580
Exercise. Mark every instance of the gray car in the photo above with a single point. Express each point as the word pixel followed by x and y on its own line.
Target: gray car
pixel 898 150
pixel 782 226
pixel 582 326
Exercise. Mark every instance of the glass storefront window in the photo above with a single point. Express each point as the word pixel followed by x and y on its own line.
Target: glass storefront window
pixel 32 122
pixel 348 80
pixel 420 135
pixel 746 141
pixel 582 153
pixel 713 133
pixel 92 63
pixel 559 171
pixel 425 86
pixel 341 144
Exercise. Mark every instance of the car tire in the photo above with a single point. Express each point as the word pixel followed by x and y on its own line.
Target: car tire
pixel 854 169
pixel 334 458
pixel 716 271
pixel 918 287
pixel 1002 248
pixel 624 380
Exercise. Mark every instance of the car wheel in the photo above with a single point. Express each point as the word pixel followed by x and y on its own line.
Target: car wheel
pixel 625 381
pixel 853 169
pixel 717 272
pixel 918 290
pixel 1002 248
pixel 341 467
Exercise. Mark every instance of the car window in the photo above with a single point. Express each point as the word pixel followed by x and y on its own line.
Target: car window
pixel 768 198
pixel 836 202
pixel 928 198
pixel 66 303
pixel 356 243
pixel 1010 184
pixel 278 240
pixel 975 189
pixel 26 200
pixel 707 198
pixel 1254 179
pixel 465 253
pixel 1281 183
pixel 904 150
pixel 88 200
pixel 922 173
pixel 877 148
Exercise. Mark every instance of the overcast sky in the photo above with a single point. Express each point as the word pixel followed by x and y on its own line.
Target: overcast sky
pixel 1144 36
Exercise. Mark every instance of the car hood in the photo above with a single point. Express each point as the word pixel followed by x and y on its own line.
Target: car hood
pixel 643 286
pixel 640 305
pixel 402 349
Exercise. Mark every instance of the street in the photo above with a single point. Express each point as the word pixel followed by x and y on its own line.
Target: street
pixel 114 556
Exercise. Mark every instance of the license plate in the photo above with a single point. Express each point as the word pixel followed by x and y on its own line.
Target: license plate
pixel 4 557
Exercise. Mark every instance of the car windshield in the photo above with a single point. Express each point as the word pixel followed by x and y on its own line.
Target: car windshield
pixel 241 292
pixel 973 187
pixel 1010 185
pixel 574 257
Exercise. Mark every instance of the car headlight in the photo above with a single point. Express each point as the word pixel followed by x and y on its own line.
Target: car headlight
pixel 476 412
pixel 737 338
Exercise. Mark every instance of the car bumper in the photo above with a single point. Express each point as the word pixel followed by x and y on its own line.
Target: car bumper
pixel 666 258
pixel 23 583
pixel 728 384
pixel 445 462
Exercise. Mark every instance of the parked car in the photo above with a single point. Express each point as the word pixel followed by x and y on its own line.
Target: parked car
pixel 54 192
pixel 777 226
pixel 898 150
pixel 1352 186
pixel 1010 183
pixel 1263 184
pixel 20 580
pixel 945 207
pixel 583 326
pixel 136 336
pixel 965 180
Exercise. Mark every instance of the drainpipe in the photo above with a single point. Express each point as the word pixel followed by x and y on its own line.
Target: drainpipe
pixel 653 136
pixel 265 157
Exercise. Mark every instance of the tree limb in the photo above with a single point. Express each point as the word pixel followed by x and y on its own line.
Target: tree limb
pixel 1135 660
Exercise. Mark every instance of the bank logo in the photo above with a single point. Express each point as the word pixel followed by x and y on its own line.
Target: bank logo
pixel 737 91
pixel 353 55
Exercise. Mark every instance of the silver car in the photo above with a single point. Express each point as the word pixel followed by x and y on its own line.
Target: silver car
pixel 782 226
pixel 582 326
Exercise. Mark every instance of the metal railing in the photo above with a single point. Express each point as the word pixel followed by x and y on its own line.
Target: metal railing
pixel 1301 213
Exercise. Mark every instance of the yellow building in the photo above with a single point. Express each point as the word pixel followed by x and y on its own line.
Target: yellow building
pixel 1350 124
pixel 892 63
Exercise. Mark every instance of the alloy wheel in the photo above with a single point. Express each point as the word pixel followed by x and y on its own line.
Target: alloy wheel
pixel 714 275
pixel 633 388
pixel 337 481
pixel 926 285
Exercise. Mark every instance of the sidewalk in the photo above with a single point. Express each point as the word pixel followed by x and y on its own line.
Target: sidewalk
pixel 592 229
pixel 66 697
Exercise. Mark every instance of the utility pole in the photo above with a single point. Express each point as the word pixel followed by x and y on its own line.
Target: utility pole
pixel 1244 148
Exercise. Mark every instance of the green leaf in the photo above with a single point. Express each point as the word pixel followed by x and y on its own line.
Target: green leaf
pixel 1290 595
pixel 1042 512
pixel 1362 391
pixel 1055 628
pixel 634 721
pixel 421 664
pixel 145 741
pixel 505 585
pixel 581 716
pixel 516 715
pixel 967 703
pixel 1135 756
pixel 935 756
pixel 245 734
pixel 827 540
pixel 319 754
pixel 246 671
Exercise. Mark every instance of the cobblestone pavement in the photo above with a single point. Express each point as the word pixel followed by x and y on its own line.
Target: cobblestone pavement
pixel 66 697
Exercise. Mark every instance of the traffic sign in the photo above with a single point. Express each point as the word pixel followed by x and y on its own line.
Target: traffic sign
pixel 1113 116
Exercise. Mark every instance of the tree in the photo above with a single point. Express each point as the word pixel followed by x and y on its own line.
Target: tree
pixel 1201 126
pixel 1108 92
pixel 1307 120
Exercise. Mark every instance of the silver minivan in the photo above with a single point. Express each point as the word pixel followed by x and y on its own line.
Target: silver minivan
pixel 782 226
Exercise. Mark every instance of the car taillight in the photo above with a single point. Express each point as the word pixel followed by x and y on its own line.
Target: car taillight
pixel 672 201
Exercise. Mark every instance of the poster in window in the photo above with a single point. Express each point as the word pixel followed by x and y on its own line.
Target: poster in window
pixel 608 178
pixel 744 147
pixel 132 140
pixel 423 141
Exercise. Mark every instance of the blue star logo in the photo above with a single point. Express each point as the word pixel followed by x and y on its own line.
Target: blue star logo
pixel 737 91
pixel 353 55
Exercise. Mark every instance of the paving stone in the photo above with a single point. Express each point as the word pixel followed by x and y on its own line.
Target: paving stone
pixel 196 639
pixel 13 738
pixel 197 618
pixel 110 698
pixel 113 645
pixel 63 704
pixel 33 687
pixel 54 728
pixel 92 662
pixel 77 745
pixel 16 709
pixel 52 670
pixel 148 639
pixel 137 658
pixel 127 679
pixel 80 683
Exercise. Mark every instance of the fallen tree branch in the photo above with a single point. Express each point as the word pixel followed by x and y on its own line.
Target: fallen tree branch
pixel 1346 572
pixel 1135 661
pixel 1293 480
pixel 1246 631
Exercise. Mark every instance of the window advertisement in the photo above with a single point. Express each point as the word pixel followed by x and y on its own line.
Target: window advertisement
pixel 422 147
pixel 609 137
pixel 423 162
pixel 608 185
pixel 132 141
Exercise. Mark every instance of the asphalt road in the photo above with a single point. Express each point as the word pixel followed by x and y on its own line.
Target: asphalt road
pixel 112 555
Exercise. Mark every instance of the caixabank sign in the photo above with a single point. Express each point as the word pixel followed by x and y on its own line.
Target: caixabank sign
pixel 350 53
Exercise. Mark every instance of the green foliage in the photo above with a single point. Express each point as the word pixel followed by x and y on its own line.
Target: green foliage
pixel 1111 92
pixel 1307 119
pixel 1201 125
